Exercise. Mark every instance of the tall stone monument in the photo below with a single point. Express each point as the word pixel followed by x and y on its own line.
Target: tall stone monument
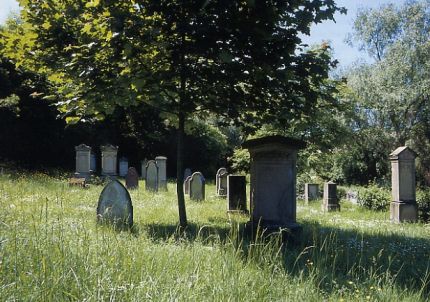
pixel 403 206
pixel 236 193
pixel 221 182
pixel 83 161
pixel 311 192
pixel 330 202
pixel 273 182
pixel 162 172
pixel 109 162
pixel 197 186
pixel 123 166
pixel 151 183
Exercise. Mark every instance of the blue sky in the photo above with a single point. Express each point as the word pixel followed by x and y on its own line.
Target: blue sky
pixel 335 33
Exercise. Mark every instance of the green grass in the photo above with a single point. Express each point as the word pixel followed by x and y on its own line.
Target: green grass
pixel 51 249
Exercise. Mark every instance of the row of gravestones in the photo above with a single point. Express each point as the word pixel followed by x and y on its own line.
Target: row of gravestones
pixel 330 201
pixel 273 178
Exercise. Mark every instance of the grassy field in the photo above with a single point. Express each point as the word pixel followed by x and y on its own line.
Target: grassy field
pixel 51 249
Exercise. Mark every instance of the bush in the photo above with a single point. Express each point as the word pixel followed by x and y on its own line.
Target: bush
pixel 374 198
pixel 423 202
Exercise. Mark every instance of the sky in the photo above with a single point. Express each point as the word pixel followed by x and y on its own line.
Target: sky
pixel 328 31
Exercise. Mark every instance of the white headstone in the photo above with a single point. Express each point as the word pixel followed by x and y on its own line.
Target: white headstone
pixel 151 183
pixel 162 172
pixel 109 161
pixel 123 166
pixel 197 186
pixel 83 160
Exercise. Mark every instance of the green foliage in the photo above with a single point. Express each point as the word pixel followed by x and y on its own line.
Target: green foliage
pixel 423 202
pixel 240 161
pixel 374 198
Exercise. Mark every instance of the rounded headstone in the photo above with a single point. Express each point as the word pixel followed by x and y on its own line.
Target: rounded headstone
pixel 197 186
pixel 115 205
pixel 132 178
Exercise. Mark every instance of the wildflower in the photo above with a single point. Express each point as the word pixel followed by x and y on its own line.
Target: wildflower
pixel 350 282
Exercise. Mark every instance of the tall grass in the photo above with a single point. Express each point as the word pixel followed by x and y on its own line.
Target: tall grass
pixel 52 249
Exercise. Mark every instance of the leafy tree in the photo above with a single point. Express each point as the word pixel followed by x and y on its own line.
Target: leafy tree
pixel 240 59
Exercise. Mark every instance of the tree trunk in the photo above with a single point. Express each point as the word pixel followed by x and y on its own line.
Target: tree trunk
pixel 180 172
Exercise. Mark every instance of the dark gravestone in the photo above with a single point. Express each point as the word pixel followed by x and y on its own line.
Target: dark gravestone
pixel 132 179
pixel 187 185
pixel 236 193
pixel 115 205
pixel 187 173
pixel 151 176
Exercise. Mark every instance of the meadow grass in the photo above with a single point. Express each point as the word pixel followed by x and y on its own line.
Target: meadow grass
pixel 52 249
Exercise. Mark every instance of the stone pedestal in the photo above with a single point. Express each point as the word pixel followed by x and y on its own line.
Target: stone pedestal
pixel 273 182
pixel 109 161
pixel 311 192
pixel 83 161
pixel 330 202
pixel 236 193
pixel 403 207
pixel 162 172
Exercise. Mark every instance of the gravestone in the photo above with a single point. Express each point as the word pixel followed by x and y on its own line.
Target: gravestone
pixel 330 201
pixel 132 179
pixel 311 192
pixel 403 206
pixel 197 186
pixel 236 193
pixel 187 185
pixel 221 182
pixel 273 182
pixel 93 163
pixel 352 196
pixel 143 168
pixel 187 173
pixel 109 155
pixel 115 205
pixel 162 173
pixel 123 166
pixel 83 161
pixel 151 183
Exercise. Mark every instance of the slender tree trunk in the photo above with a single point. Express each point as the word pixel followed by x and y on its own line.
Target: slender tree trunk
pixel 180 172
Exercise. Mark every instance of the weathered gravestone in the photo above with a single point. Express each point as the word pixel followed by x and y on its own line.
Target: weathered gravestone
pixel 187 172
pixel 151 183
pixel 236 193
pixel 83 161
pixel 115 205
pixel 197 186
pixel 187 185
pixel 162 172
pixel 143 168
pixel 311 192
pixel 403 206
pixel 273 182
pixel 93 163
pixel 330 201
pixel 352 196
pixel 221 182
pixel 109 155
pixel 132 178
pixel 123 166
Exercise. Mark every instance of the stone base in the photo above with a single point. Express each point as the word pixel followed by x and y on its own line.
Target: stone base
pixel 403 212
pixel 291 232
pixel 330 207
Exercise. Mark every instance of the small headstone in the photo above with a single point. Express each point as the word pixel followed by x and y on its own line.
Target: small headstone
pixel 197 186
pixel 83 160
pixel 236 193
pixel 162 172
pixel 109 155
pixel 403 193
pixel 221 182
pixel 132 179
pixel 93 163
pixel 311 192
pixel 187 185
pixel 123 166
pixel 115 205
pixel 187 173
pixel 330 201
pixel 151 183
pixel 143 168
pixel 352 196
